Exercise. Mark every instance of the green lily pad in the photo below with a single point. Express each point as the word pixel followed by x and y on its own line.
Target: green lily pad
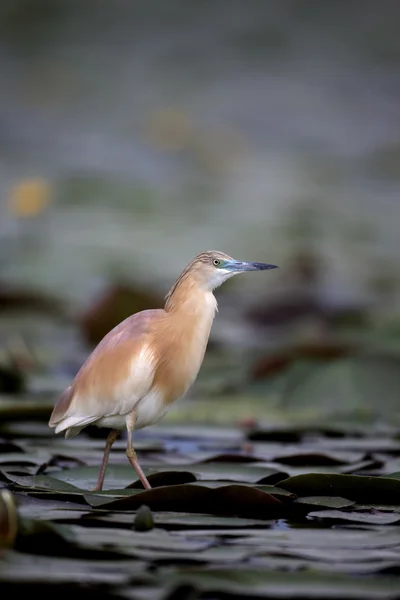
pixel 372 518
pixel 310 458
pixel 165 478
pixel 226 500
pixel 247 581
pixel 226 457
pixel 32 532
pixel 268 489
pixel 380 507
pixel 156 539
pixel 226 516
pixel 238 472
pixel 85 478
pixel 33 569
pixel 338 556
pixel 355 487
pixel 119 476
pixel 19 458
pixel 325 501
pixel 289 563
pixel 378 538
pixel 394 476
pixel 46 513
pixel 172 520
pixel 42 482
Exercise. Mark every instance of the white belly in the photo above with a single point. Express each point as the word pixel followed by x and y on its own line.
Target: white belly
pixel 149 410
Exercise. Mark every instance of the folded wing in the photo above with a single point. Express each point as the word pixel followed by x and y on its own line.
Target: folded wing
pixel 119 372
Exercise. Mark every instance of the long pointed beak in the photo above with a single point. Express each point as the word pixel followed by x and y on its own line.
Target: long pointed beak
pixel 239 266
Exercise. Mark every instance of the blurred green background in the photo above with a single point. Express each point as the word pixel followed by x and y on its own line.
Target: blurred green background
pixel 134 135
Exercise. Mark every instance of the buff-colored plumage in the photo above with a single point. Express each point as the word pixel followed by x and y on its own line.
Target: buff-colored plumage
pixel 147 362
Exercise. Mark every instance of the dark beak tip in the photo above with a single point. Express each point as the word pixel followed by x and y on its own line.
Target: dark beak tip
pixel 263 266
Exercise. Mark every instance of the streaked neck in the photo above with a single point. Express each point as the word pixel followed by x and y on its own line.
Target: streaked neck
pixel 188 297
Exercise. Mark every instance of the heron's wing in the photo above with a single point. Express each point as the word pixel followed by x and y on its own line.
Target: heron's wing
pixel 116 375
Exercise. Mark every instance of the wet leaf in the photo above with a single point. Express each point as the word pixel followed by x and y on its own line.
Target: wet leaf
pixel 325 501
pixel 176 521
pixel 327 555
pixel 309 458
pixel 268 489
pixel 46 513
pixel 247 581
pixel 131 541
pixel 10 447
pixel 218 499
pixel 377 538
pixel 237 472
pixel 355 487
pixel 380 507
pixel 226 500
pixel 47 569
pixel 291 564
pixel 119 476
pixel 42 482
pixel 85 478
pixel 372 518
pixel 165 478
pixel 230 458
pixel 36 536
pixel 13 458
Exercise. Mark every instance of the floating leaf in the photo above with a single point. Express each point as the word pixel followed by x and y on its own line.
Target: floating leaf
pixel 226 500
pixel 325 501
pixel 85 478
pixel 382 538
pixel 173 520
pixel 237 472
pixel 16 458
pixel 227 457
pixel 165 478
pixel 42 482
pixel 247 581
pixel 277 492
pixel 355 487
pixel 289 563
pixel 372 518
pixel 119 476
pixel 35 536
pixel 33 569
pixel 309 458
pixel 132 541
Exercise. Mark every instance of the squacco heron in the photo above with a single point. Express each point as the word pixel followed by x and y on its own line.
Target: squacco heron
pixel 148 361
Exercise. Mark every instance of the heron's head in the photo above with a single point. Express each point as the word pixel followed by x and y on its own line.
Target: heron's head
pixel 213 268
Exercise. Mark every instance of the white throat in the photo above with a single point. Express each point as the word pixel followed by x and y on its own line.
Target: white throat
pixel 219 277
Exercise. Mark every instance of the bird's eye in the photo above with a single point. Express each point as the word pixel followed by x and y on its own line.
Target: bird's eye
pixel 216 262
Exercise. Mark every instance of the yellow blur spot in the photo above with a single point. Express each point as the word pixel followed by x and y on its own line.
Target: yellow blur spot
pixel 29 197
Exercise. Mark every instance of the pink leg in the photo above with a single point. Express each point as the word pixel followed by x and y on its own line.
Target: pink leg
pixel 112 436
pixel 131 454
